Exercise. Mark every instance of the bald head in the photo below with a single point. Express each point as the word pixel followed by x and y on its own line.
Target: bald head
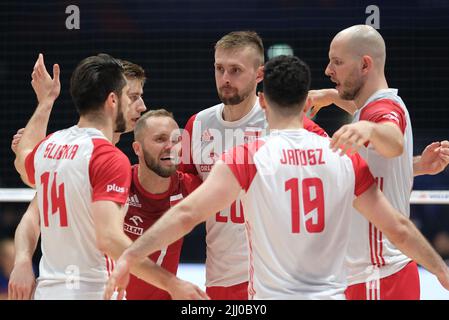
pixel 363 40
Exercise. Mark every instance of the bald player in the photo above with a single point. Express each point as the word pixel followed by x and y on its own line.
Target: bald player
pixel 381 132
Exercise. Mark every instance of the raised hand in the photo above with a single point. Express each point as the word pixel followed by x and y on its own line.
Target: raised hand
pixel 16 139
pixel 46 88
pixel 434 158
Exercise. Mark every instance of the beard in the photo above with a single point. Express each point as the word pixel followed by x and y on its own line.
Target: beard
pixel 353 85
pixel 154 166
pixel 237 97
pixel 120 123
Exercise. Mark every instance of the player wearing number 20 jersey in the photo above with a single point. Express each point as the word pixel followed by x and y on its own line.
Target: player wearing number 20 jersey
pixel 144 210
pixel 297 198
pixel 227 252
pixel 71 169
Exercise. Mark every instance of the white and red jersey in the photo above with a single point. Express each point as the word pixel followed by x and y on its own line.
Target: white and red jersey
pixel 144 210
pixel 210 135
pixel 297 199
pixel 370 254
pixel 71 169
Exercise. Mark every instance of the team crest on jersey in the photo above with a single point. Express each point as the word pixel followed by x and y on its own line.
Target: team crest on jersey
pixel 136 220
pixel 206 136
pixel 251 134
pixel 133 201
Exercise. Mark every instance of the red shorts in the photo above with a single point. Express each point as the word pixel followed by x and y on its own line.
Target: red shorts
pixel 236 292
pixel 402 285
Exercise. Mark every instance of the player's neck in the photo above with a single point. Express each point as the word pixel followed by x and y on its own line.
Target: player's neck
pixel 284 123
pixel 369 89
pixel 152 182
pixel 105 127
pixel 237 112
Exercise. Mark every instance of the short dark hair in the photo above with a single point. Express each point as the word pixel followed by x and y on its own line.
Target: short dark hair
pixel 93 80
pixel 286 82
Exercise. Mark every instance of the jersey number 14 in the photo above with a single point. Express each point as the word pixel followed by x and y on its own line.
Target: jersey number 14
pixel 56 197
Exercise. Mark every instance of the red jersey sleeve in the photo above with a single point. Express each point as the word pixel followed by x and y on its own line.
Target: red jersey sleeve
pixel 240 161
pixel 187 164
pixel 110 173
pixel 385 110
pixel 190 182
pixel 29 161
pixel 363 177
pixel 311 126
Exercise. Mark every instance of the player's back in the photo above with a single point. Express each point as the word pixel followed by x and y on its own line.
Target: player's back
pixel 65 168
pixel 297 215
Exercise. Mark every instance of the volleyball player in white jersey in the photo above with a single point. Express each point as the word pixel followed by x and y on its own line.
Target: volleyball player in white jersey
pixel 297 195
pixel 239 58
pixel 84 179
pixel 381 131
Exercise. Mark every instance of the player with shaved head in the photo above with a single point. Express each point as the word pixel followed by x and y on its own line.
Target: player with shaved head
pixel 381 132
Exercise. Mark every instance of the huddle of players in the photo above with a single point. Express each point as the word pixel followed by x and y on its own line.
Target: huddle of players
pixel 381 132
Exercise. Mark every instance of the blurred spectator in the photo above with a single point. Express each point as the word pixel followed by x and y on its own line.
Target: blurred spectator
pixel 6 265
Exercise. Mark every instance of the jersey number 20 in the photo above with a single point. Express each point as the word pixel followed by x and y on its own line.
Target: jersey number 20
pixel 311 202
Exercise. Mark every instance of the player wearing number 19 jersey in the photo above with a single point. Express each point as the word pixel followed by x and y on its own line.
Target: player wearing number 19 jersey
pixel 227 252
pixel 297 221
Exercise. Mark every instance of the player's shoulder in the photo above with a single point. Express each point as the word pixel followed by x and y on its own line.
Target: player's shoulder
pixel 105 149
pixel 208 112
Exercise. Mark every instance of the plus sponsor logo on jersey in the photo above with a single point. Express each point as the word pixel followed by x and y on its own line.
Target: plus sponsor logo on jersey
pixel 133 201
pixel 135 229
pixel 115 188
pixel 393 116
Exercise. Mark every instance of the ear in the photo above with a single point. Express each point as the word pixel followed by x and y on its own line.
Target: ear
pixel 367 64
pixel 137 148
pixel 111 101
pixel 307 105
pixel 260 73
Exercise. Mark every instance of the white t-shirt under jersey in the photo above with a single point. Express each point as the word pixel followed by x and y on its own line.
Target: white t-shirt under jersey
pixel 370 255
pixel 72 168
pixel 297 198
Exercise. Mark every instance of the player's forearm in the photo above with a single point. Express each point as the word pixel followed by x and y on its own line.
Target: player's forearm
pixel 417 169
pixel 412 243
pixel 26 239
pixel 151 273
pixel 36 128
pixel 347 105
pixel 386 139
pixel 35 131
pixel 173 225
